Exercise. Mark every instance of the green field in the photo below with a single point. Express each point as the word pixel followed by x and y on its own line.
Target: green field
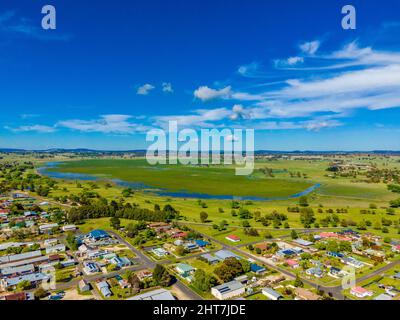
pixel 214 180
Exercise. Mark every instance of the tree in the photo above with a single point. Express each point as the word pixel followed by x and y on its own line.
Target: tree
pixel 297 282
pixel 294 235
pixel 203 216
pixel 23 285
pixel 161 276
pixel 303 201
pixel 40 293
pixel 72 241
pixel 115 223
pixel 203 281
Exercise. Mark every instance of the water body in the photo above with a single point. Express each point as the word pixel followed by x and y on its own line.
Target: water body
pixel 45 170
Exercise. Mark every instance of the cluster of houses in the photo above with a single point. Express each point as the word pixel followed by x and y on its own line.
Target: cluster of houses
pixel 30 266
pixel 94 258
pixel 166 230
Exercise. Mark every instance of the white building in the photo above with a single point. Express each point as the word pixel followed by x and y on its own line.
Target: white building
pixel 228 290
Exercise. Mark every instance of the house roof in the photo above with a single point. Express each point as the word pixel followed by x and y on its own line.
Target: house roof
pixel 271 292
pixel 225 254
pixel 98 234
pixel 359 290
pixel 159 294
pixel 233 237
pixel 229 286
pixel 256 268
pixel 184 267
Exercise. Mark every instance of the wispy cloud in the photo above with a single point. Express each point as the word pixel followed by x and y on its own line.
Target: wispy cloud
pixel 12 24
pixel 310 47
pixel 145 89
pixel 167 87
pixel 112 123
pixel 32 128
pixel 205 93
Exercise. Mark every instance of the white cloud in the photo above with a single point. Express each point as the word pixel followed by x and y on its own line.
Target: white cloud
pixel 112 123
pixel 310 47
pixel 205 93
pixel 167 87
pixel 145 89
pixel 33 128
pixel 248 70
pixel 294 60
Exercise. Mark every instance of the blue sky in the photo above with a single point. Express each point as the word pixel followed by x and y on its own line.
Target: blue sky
pixel 114 70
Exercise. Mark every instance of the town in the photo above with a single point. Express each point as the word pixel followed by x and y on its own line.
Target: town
pixel 49 251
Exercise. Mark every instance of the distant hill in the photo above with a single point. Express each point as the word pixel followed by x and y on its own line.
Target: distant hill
pixel 143 151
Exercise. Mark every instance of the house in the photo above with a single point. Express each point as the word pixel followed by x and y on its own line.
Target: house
pixel 68 263
pixel 228 290
pixel 352 262
pixel 19 296
pixel 121 262
pixel 84 286
pixel 144 274
pixel 273 279
pixel 69 227
pixel 190 246
pixel 47 227
pixel 32 278
pixel 202 243
pixel 335 272
pixel 20 257
pixel 225 254
pixel 123 283
pixel 50 242
pixel 55 249
pixel 90 267
pixel 303 242
pixel 256 268
pixel 316 272
pixel 271 294
pixel 210 258
pixel 185 271
pixel 334 254
pixel 305 294
pixel 232 238
pixel 292 263
pixel 160 252
pixel 397 275
pixel 20 270
pixel 97 235
pixel 286 253
pixel 158 294
pixel 361 292
pixel 104 288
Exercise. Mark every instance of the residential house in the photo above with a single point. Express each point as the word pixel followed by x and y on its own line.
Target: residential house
pixel 185 271
pixel 305 294
pixel 361 292
pixel 228 290
pixel 84 286
pixel 225 254
pixel 232 238
pixel 158 294
pixel 69 228
pixel 271 294
pixel 104 288
pixel 210 258
pixel 55 249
